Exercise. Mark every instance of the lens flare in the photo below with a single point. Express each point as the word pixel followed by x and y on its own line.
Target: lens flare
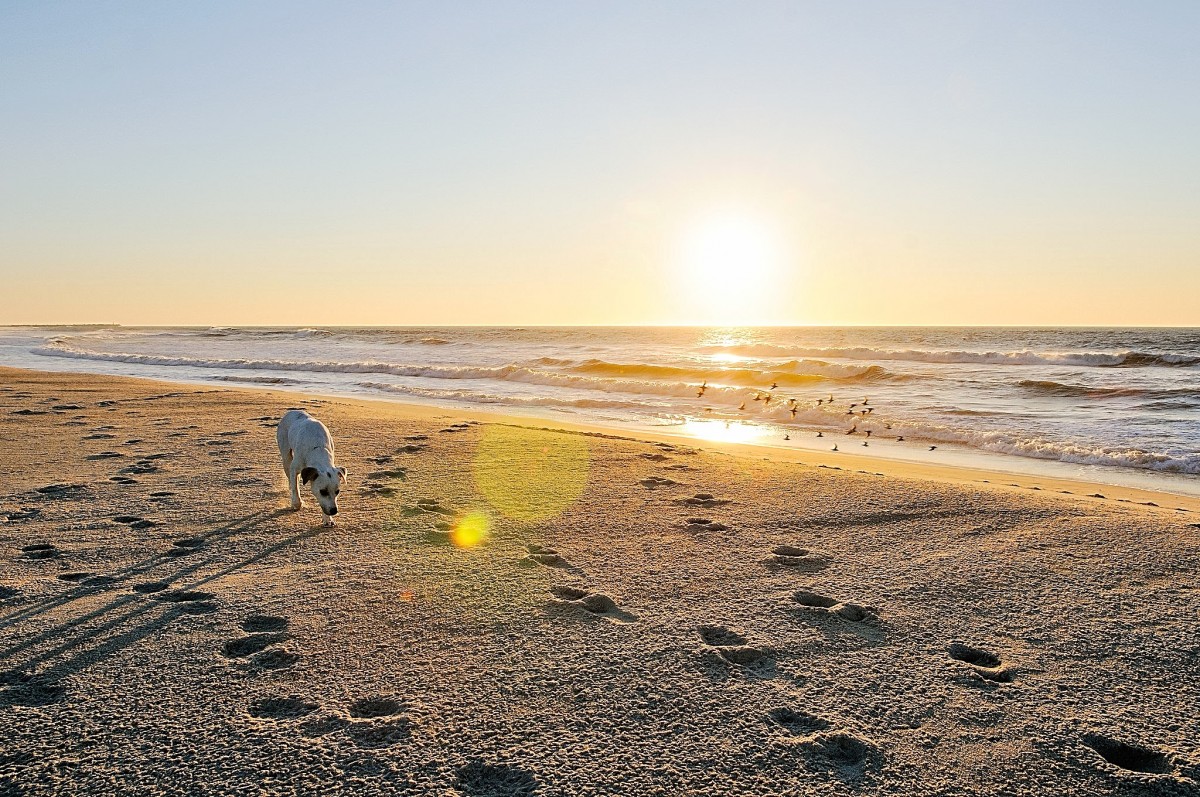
pixel 471 530
pixel 531 474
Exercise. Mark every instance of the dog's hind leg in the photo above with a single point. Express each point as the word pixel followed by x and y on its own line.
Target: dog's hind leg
pixel 285 455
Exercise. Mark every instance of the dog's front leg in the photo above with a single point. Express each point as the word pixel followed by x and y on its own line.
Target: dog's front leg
pixel 293 476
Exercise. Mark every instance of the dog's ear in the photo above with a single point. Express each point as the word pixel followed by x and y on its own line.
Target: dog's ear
pixel 341 474
pixel 308 474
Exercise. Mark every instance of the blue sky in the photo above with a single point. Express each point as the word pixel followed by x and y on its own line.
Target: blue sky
pixel 538 162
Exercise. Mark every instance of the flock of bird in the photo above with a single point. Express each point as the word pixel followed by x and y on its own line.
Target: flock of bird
pixel 794 407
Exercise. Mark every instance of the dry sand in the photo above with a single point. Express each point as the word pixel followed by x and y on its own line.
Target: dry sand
pixel 644 618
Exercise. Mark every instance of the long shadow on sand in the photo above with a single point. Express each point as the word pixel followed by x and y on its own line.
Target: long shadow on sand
pixel 141 568
pixel 140 615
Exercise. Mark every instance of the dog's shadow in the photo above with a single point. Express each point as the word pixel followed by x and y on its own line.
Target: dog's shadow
pixel 29 670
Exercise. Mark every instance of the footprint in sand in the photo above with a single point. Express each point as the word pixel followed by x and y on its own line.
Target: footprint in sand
pixel 8 592
pixel 545 556
pixel 22 514
pixel 983 664
pixel 731 646
pixel 100 436
pixel 186 546
pixel 373 707
pixel 62 490
pixel 797 723
pixel 188 601
pixel 654 482
pixel 122 479
pixel 481 779
pixel 706 500
pixel 20 688
pixel 40 550
pixel 394 473
pixel 259 623
pixel 104 455
pixel 250 644
pixel 595 604
pixel 654 457
pixel 1129 757
pixel 377 722
pixel 816 602
pixel 134 521
pixel 424 505
pixel 698 524
pixel 281 708
pixel 840 749
pixel 87 579
pixel 799 558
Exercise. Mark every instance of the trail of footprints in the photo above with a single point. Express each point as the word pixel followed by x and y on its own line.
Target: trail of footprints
pixel 375 722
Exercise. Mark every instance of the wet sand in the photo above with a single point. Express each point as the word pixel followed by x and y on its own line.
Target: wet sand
pixel 504 609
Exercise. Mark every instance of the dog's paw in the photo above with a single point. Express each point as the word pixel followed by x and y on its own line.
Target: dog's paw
pixel 295 507
pixel 328 522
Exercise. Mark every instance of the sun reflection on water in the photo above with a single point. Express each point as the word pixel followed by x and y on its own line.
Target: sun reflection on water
pixel 723 431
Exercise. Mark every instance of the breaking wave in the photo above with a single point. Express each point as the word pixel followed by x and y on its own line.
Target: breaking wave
pixel 1127 359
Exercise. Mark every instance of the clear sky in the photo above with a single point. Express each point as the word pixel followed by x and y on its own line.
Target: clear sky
pixel 601 162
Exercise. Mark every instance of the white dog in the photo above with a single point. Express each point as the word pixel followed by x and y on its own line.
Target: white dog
pixel 307 452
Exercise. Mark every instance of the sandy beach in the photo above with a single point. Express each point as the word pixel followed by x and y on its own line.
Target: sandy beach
pixel 504 610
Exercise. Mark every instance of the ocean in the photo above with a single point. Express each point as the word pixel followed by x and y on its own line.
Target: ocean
pixel 1118 406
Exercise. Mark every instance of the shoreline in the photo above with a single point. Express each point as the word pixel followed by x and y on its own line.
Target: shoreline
pixel 850 460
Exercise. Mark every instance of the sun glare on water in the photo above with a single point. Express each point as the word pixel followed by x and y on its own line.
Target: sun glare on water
pixel 727 266
pixel 724 431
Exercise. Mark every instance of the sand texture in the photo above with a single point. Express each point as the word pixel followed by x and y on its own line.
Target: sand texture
pixel 643 618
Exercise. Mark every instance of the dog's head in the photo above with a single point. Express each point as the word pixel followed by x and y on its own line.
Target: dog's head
pixel 326 484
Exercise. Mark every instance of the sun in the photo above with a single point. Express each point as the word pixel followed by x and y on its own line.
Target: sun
pixel 727 266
